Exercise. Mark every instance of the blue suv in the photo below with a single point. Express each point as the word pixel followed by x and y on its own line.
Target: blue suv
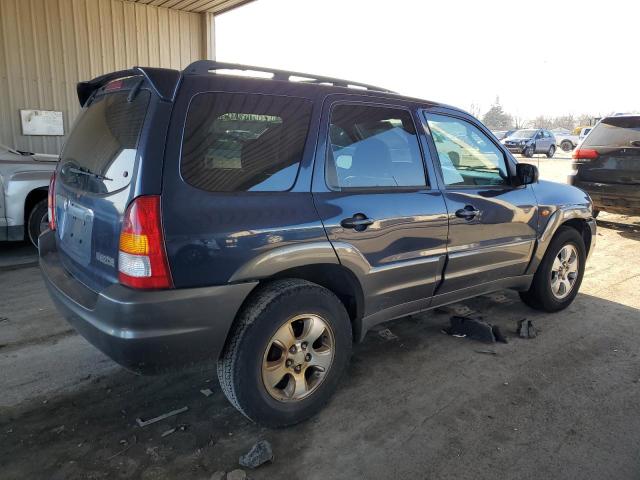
pixel 267 224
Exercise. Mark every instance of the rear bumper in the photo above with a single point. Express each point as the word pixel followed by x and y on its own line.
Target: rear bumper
pixel 614 198
pixel 144 331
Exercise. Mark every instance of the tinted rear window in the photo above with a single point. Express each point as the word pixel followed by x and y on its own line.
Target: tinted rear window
pixel 615 132
pixel 244 142
pixel 100 154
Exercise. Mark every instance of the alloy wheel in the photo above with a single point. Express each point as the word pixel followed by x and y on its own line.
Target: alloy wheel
pixel 298 357
pixel 564 271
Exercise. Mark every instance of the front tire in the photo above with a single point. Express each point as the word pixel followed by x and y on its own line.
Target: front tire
pixel 529 151
pixel 286 353
pixel 551 152
pixel 559 275
pixel 38 221
pixel 566 145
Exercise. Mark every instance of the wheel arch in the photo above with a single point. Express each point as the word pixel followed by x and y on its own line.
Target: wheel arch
pixel 315 262
pixel 577 217
pixel 32 198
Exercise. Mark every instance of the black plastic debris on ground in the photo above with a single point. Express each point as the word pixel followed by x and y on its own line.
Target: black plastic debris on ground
pixel 526 329
pixel 260 453
pixel 475 329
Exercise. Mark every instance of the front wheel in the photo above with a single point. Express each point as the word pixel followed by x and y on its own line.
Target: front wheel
pixel 559 275
pixel 566 145
pixel 551 152
pixel 529 151
pixel 286 353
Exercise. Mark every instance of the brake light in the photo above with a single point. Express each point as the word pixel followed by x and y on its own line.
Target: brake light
pixel 585 154
pixel 142 259
pixel 113 85
pixel 51 202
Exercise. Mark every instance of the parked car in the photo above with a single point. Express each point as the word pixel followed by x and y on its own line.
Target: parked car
pixel 24 182
pixel 607 165
pixel 528 142
pixel 565 139
pixel 272 253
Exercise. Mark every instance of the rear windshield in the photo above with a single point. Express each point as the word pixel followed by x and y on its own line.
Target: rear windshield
pixel 244 142
pixel 615 132
pixel 100 154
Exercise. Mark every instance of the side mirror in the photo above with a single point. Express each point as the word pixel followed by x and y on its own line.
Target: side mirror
pixel 526 173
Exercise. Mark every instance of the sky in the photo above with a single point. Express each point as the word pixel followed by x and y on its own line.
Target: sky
pixel 539 57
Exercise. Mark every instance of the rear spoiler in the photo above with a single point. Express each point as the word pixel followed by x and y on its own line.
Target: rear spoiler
pixel 163 81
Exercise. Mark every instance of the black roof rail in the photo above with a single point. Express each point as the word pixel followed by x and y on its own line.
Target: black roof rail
pixel 201 67
pixel 163 81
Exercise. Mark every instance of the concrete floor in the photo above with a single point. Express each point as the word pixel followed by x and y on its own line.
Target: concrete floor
pixel 425 405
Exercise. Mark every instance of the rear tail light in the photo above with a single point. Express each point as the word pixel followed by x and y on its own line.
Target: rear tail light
pixel 51 202
pixel 585 154
pixel 142 260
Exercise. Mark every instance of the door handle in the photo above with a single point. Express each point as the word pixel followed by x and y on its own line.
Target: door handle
pixel 468 212
pixel 358 222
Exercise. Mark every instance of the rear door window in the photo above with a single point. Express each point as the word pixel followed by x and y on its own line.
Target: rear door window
pixel 236 142
pixel 615 132
pixel 373 147
pixel 100 154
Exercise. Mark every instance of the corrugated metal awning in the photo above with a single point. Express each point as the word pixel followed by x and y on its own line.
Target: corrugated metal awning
pixel 197 6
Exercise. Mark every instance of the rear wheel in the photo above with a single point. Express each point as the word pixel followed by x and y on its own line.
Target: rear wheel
pixel 286 353
pixel 559 275
pixel 38 221
pixel 551 152
pixel 566 145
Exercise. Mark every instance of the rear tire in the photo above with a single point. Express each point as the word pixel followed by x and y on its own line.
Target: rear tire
pixel 252 354
pixel 38 221
pixel 551 152
pixel 541 295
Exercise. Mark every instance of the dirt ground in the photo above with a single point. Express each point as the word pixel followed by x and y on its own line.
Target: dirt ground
pixel 422 405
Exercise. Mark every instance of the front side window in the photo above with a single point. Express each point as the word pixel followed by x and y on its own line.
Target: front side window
pixel 467 156
pixel 373 147
pixel 244 142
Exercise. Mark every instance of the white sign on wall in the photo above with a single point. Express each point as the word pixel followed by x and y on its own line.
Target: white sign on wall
pixel 41 122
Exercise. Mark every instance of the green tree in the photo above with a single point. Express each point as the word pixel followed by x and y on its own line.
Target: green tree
pixel 496 118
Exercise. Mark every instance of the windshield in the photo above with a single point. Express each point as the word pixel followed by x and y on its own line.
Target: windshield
pixel 100 155
pixel 523 134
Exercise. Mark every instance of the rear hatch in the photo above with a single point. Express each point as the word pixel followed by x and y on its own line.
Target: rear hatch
pixel 616 142
pixel 96 179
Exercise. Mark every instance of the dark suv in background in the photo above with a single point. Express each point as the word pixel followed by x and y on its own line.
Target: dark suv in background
pixel 530 141
pixel 607 165
pixel 266 224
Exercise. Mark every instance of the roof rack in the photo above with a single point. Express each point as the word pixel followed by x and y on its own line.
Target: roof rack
pixel 201 67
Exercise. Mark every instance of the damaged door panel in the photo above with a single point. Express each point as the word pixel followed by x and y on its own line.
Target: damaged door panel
pixel 492 223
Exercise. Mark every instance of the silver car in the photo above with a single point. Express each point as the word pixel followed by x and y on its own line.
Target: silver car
pixel 528 142
pixel 24 183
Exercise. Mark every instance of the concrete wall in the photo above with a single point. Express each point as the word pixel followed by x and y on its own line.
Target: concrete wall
pixel 47 46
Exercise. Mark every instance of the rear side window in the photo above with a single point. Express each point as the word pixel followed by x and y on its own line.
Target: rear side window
pixel 100 154
pixel 373 147
pixel 615 132
pixel 244 142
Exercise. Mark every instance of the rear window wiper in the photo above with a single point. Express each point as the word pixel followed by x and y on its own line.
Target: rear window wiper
pixel 88 173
